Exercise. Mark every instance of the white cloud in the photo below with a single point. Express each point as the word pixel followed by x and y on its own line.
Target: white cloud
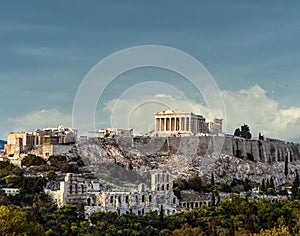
pixel 250 106
pixel 262 114
pixel 33 120
pixel 137 112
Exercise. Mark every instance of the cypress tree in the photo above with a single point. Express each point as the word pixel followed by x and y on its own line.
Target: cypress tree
pixel 263 185
pixel 212 179
pixel 286 168
pixel 296 184
pixel 272 185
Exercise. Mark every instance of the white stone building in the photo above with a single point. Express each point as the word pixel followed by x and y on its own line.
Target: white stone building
pixel 172 122
pixel 109 132
pixel 11 191
pixel 44 143
pixel 141 200
pixel 76 189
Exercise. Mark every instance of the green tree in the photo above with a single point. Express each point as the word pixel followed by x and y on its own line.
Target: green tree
pixel 295 186
pixel 212 180
pixel 32 160
pixel 263 185
pixel 286 167
pixel 177 192
pixel 51 174
pixel 237 132
pixel 195 182
pixel 245 132
pixel 268 184
pixel 13 181
pixel 247 185
pixel 14 222
pixel 188 230
pixel 272 184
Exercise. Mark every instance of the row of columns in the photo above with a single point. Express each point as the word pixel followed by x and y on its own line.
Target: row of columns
pixel 173 124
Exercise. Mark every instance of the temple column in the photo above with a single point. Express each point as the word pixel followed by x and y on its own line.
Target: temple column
pixel 175 123
pixel 157 124
pixel 179 123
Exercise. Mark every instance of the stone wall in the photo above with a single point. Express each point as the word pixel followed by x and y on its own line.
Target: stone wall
pixel 266 151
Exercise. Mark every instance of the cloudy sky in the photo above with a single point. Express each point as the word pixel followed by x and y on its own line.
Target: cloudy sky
pixel 251 49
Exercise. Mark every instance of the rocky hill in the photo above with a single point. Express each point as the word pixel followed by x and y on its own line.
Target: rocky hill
pixel 254 160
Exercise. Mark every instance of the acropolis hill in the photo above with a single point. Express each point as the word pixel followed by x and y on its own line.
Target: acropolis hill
pixel 183 142
pixel 186 143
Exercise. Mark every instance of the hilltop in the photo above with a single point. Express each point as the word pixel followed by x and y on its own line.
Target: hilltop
pixel 185 157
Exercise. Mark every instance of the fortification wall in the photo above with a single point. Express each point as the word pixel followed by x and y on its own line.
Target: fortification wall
pixel 267 151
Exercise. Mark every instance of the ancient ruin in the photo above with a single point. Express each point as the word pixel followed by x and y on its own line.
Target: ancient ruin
pixel 172 122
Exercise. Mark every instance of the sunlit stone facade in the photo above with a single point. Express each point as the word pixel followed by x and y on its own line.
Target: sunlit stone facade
pixel 171 122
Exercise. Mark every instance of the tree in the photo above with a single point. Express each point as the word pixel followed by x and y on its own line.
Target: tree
pixel 14 222
pixel 188 230
pixel 247 185
pixel 195 182
pixel 245 132
pixel 267 184
pixel 32 160
pixel 13 181
pixel 263 185
pixel 272 185
pixel 51 174
pixel 177 192
pixel 286 168
pixel 237 132
pixel 212 179
pixel 295 186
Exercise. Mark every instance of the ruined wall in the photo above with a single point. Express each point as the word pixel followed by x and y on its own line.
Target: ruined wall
pixel 267 151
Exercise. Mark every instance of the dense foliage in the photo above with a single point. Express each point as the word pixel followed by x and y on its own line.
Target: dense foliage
pixel 236 217
pixel 32 160
pixel 244 132
pixel 32 213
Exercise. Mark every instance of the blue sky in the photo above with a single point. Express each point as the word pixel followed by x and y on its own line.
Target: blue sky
pixel 251 48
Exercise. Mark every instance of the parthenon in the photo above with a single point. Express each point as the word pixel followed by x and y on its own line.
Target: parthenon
pixel 179 122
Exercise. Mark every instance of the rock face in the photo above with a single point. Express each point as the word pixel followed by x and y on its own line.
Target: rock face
pixel 228 158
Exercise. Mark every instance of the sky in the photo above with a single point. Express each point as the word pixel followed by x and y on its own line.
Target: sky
pixel 250 48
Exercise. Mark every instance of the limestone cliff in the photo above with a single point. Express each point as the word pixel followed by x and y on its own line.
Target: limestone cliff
pixel 183 156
